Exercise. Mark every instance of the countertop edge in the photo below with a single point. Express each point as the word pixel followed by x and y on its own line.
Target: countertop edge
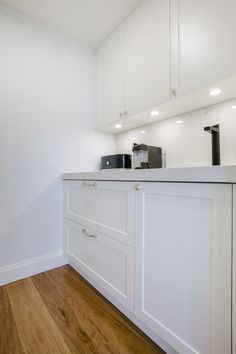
pixel 209 174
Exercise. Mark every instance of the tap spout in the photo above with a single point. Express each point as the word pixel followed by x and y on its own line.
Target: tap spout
pixel 214 130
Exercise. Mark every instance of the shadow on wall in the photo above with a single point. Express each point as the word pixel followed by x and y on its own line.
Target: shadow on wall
pixel 36 231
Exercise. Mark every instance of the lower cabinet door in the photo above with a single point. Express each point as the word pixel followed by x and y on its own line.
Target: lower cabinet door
pixel 234 271
pixel 109 263
pixel 183 264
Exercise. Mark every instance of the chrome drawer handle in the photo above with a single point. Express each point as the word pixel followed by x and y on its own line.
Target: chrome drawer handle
pixel 87 184
pixel 93 235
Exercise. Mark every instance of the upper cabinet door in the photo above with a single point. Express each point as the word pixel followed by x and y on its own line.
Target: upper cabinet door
pixel 147 59
pixel 207 50
pixel 110 79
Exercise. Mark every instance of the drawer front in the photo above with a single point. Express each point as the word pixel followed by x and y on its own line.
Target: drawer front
pixel 108 262
pixel 107 207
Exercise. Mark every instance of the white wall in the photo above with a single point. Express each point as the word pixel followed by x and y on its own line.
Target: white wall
pixel 187 144
pixel 46 128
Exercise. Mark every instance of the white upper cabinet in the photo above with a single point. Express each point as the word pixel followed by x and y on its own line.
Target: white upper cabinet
pixel 207 51
pixel 147 57
pixel 163 51
pixel 110 79
pixel 133 64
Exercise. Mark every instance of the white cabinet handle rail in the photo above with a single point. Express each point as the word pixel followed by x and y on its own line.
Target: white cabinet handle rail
pixel 88 184
pixel 92 235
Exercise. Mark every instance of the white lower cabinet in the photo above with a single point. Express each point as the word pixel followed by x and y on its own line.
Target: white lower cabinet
pixel 175 278
pixel 234 272
pixel 183 264
pixel 107 262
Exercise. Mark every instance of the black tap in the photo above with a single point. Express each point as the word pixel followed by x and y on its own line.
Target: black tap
pixel 214 130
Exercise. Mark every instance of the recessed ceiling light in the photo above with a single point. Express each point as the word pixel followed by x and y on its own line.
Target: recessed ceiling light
pixel 154 113
pixel 179 121
pixel 215 92
pixel 118 126
pixel 142 131
pixel 233 107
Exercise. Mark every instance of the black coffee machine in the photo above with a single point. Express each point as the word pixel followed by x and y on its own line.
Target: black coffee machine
pixel 146 156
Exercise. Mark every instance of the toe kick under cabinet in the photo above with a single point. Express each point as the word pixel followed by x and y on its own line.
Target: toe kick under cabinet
pixel 162 251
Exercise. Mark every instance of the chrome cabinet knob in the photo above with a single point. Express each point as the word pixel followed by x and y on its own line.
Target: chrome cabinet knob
pixel 137 187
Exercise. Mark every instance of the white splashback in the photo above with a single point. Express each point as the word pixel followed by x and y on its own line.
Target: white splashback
pixel 187 144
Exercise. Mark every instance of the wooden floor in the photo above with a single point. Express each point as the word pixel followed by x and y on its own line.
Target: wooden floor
pixel 58 312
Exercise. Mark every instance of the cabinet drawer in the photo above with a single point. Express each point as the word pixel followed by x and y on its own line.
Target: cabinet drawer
pixel 107 207
pixel 108 262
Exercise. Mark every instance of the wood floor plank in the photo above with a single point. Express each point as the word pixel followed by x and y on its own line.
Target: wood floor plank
pixel 59 312
pixel 80 329
pixel 38 332
pixel 9 337
pixel 116 333
pixel 65 313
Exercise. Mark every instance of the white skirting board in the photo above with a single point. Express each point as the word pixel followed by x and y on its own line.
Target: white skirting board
pixel 31 267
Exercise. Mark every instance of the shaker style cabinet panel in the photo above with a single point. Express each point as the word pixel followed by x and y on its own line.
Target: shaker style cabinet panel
pixel 107 207
pixel 147 57
pixel 107 262
pixel 175 275
pixel 183 264
pixel 234 270
pixel 133 64
pixel 163 50
pixel 207 51
pixel 110 79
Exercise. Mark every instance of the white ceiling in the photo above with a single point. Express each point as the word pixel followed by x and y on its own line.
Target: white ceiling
pixel 89 21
